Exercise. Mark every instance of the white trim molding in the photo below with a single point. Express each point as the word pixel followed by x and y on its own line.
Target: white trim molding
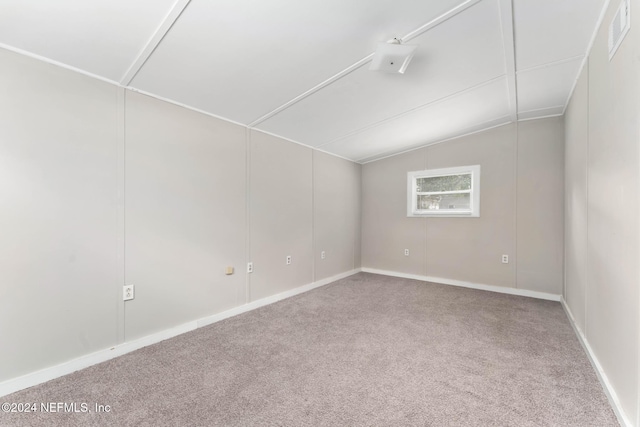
pixel 153 43
pixel 65 368
pixel 602 376
pixel 509 46
pixel 462 284
pixel 413 34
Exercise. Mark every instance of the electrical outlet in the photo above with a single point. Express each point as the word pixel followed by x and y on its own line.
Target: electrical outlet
pixel 406 252
pixel 249 267
pixel 323 255
pixel 288 259
pixel 505 259
pixel 127 292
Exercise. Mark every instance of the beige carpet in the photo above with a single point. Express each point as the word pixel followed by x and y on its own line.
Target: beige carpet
pixel 364 351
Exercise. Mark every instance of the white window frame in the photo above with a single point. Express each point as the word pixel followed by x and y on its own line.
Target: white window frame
pixel 412 193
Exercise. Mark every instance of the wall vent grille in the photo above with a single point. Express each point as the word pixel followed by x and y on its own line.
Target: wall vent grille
pixel 619 27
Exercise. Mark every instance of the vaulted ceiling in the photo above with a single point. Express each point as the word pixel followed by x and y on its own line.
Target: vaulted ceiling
pixel 299 69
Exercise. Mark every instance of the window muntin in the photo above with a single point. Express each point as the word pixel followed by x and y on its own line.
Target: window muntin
pixel 444 192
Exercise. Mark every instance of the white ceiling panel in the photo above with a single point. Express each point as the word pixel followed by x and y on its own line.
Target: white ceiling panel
pixel 298 69
pixel 546 87
pixel 482 107
pixel 552 30
pixel 241 59
pixel 454 56
pixel 102 37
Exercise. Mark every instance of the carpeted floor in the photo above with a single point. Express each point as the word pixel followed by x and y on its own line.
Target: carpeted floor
pixel 367 350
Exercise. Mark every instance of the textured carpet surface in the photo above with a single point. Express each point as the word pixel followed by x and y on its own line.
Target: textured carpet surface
pixel 367 350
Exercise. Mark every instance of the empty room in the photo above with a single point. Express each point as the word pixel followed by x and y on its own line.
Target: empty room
pixel 320 213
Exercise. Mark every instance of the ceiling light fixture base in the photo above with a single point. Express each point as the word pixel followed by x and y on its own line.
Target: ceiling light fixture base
pixel 392 57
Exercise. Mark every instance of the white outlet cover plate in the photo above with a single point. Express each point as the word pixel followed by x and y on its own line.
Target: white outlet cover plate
pixel 127 292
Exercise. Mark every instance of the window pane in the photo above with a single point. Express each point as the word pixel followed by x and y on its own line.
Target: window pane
pixel 445 183
pixel 444 202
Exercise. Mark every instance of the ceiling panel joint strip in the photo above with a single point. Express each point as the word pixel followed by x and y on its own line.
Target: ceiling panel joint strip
pixel 414 109
pixel 550 64
pixel 415 33
pixel 178 7
pixel 508 42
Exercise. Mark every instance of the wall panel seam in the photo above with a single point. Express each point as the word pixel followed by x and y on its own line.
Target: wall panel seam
pixel 516 211
pixel 247 286
pixel 121 103
pixel 586 204
pixel 313 216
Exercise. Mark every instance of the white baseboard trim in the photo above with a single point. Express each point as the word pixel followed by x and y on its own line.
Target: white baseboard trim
pixel 65 368
pixel 460 283
pixel 273 298
pixel 604 380
pixel 491 288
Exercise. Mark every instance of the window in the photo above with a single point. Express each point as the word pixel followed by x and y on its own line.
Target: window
pixel 444 192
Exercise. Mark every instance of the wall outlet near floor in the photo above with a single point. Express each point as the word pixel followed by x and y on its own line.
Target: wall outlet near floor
pixel 127 292
pixel 288 259
pixel 406 252
pixel 249 267
pixel 505 259
pixel 323 255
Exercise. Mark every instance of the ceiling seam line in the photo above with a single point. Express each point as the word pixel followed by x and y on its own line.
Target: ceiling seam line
pixel 414 109
pixel 59 64
pixel 293 141
pixel 412 34
pixel 549 116
pixel 509 50
pixel 313 90
pixel 369 159
pixel 439 20
pixel 159 34
pixel 542 109
pixel 550 64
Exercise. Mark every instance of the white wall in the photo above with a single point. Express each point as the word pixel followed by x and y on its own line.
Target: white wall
pixel 602 210
pixel 58 205
pixel 336 214
pixel 386 230
pixel 540 200
pixel 521 211
pixel 281 197
pixel 185 205
pixel 577 119
pixel 470 249
pixel 99 183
